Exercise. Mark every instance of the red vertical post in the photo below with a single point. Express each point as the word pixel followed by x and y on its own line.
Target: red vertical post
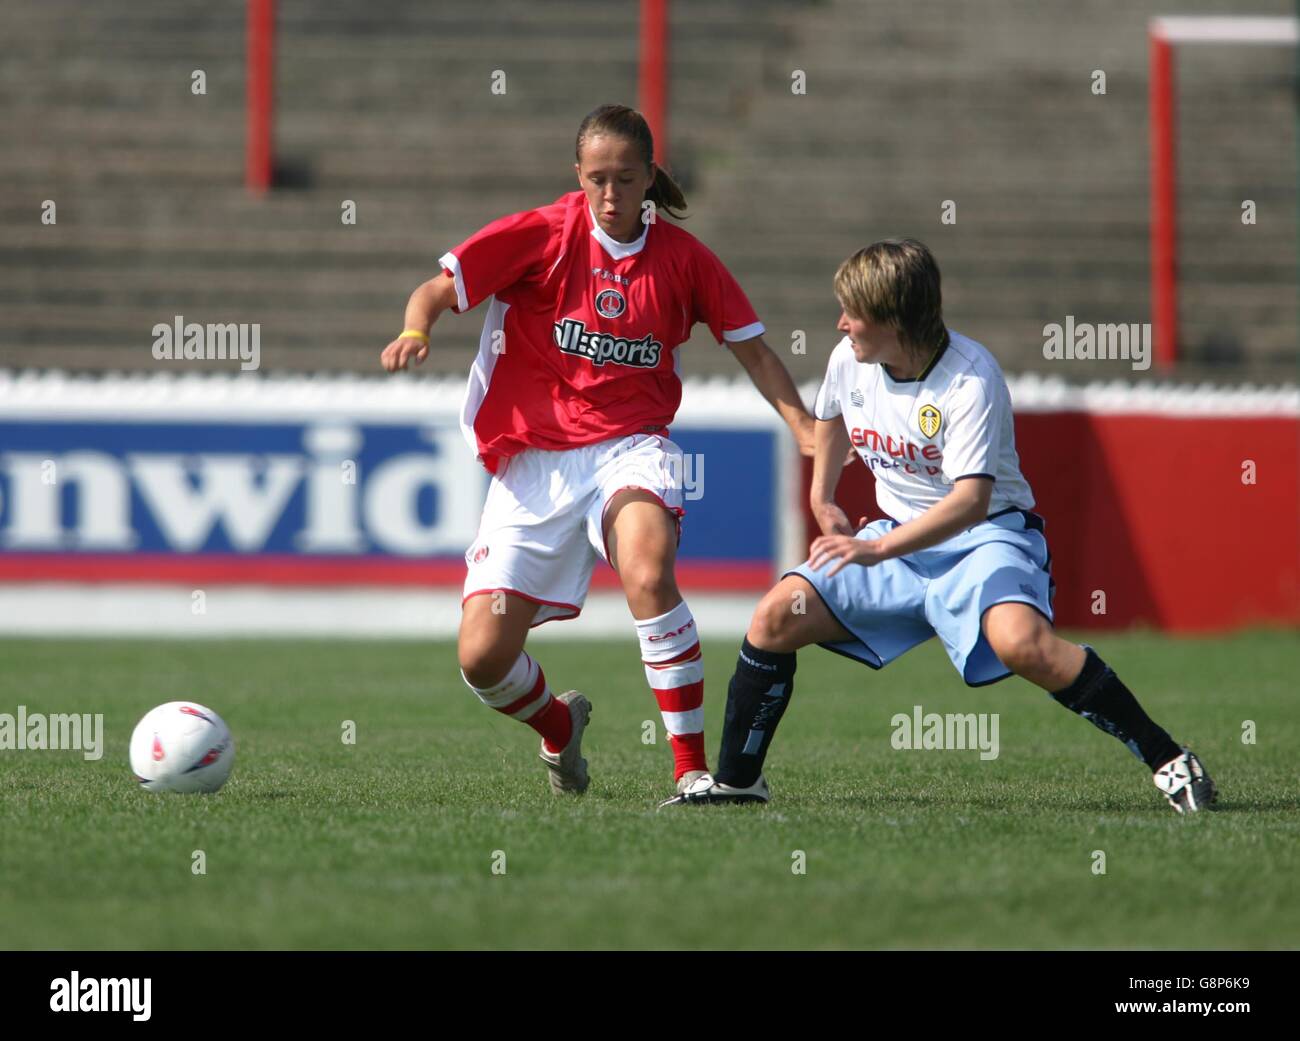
pixel 653 86
pixel 1164 188
pixel 260 90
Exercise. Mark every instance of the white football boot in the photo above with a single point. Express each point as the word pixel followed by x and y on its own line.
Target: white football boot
pixel 705 790
pixel 566 769
pixel 689 778
pixel 1185 783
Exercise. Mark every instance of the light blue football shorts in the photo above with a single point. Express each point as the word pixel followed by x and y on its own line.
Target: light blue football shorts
pixel 892 606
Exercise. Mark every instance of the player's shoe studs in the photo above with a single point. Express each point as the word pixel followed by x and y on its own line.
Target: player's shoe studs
pixel 689 778
pixel 706 790
pixel 567 770
pixel 1185 783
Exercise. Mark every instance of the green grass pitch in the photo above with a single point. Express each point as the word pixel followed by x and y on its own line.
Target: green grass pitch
pixel 391 842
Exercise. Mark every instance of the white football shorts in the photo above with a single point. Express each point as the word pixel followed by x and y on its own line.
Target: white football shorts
pixel 543 521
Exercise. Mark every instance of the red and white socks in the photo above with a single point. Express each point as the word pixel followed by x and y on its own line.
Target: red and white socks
pixel 524 695
pixel 674 668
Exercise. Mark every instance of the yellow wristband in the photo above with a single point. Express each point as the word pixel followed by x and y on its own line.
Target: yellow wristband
pixel 414 333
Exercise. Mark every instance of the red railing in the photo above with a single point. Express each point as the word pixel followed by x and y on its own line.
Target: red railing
pixel 1164 238
pixel 260 95
pixel 654 73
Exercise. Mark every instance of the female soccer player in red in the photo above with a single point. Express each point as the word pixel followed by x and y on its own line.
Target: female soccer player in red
pixel 568 406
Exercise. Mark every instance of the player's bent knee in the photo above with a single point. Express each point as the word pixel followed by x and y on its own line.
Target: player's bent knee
pixel 646 580
pixel 1026 653
pixel 774 624
pixel 484 666
pixel 649 581
pixel 486 656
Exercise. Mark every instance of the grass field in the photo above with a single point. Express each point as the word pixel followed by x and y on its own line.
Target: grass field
pixel 389 843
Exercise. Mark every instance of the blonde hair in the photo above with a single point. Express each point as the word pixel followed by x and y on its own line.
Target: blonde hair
pixel 629 124
pixel 895 282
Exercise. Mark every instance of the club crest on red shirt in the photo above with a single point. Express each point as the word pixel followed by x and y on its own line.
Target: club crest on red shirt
pixel 610 303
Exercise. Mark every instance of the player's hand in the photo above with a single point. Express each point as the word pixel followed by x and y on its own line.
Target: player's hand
pixel 831 519
pixel 400 352
pixel 842 550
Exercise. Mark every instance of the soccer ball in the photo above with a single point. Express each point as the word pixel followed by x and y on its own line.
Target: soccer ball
pixel 182 747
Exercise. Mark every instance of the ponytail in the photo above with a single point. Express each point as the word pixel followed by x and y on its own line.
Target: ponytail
pixel 666 195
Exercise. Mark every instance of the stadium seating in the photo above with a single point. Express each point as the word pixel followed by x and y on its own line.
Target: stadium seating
pixel 909 103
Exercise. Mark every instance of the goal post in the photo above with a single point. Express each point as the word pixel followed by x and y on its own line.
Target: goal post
pixel 1164 33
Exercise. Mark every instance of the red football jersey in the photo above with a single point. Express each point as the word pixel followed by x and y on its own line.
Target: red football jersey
pixel 579 340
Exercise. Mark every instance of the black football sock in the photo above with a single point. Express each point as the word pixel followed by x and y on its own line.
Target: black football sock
pixel 1099 697
pixel 757 696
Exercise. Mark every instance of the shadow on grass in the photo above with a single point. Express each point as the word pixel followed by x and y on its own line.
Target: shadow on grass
pixel 1272 802
pixel 1115 804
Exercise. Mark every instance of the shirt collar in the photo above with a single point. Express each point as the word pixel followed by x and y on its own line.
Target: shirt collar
pixel 617 250
pixel 929 366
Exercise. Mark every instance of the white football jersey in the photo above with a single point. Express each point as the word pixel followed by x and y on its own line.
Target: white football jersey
pixel 918 436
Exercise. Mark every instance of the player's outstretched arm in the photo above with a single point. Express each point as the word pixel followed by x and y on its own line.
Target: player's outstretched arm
pixel 428 301
pixel 773 381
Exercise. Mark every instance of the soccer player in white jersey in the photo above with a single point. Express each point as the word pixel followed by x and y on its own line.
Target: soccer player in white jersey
pixel 961 556
pixel 568 406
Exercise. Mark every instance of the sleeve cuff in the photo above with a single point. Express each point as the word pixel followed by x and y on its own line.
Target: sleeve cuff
pixel 450 262
pixel 745 332
pixel 964 477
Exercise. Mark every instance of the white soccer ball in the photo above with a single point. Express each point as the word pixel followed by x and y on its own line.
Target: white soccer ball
pixel 182 747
